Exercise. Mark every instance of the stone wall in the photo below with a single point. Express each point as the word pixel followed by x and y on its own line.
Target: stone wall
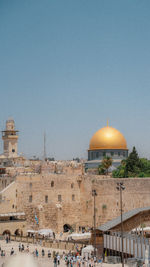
pixel 40 195
pixel 12 226
pixel 8 199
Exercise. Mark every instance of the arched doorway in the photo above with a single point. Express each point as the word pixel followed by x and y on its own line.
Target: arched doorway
pixel 18 232
pixel 7 232
pixel 67 228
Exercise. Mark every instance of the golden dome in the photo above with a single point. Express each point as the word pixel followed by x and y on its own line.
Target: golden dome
pixel 108 138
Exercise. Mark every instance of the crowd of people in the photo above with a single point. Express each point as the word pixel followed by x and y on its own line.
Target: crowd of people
pixel 71 259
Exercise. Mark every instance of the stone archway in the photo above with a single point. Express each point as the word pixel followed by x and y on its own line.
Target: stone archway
pixel 7 232
pixel 18 232
pixel 67 227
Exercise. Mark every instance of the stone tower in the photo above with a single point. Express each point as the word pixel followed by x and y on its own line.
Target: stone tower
pixel 10 138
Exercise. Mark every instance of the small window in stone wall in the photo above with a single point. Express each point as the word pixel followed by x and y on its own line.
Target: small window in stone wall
pixel 30 198
pixel 52 183
pixel 73 197
pixel 30 185
pixel 46 199
pixel 13 206
pixel 59 198
pixel 72 185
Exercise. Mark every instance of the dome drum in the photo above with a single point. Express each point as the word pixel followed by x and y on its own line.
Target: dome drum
pixel 113 153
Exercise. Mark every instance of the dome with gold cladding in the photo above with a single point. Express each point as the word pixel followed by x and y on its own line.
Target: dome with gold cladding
pixel 108 138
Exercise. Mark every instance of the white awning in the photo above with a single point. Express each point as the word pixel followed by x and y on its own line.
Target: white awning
pixel 12 214
pixel 32 231
pixel 46 232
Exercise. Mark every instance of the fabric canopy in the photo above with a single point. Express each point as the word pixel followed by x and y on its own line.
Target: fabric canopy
pixel 88 249
pixel 45 232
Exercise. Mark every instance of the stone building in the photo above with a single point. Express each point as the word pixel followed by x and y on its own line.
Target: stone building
pixel 10 139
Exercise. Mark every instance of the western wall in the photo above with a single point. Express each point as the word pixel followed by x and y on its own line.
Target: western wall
pixel 66 199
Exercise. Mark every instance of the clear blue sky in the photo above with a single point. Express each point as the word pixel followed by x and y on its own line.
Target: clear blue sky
pixel 68 65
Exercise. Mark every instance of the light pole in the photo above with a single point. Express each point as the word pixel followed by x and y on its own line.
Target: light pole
pixel 120 187
pixel 94 194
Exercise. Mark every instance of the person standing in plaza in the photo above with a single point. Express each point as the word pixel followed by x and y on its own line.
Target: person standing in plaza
pixel 36 253
pixel 12 251
pixel 22 247
pixel 27 249
pixel 43 253
pixel 55 261
pixel 58 259
pixel 7 239
pixel 19 247
pixel 2 253
pixel 49 254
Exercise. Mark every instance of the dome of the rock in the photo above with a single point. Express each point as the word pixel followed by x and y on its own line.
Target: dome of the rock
pixel 108 138
pixel 106 142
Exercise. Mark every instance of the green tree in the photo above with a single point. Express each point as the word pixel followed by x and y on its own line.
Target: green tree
pixel 133 164
pixel 120 171
pixel 106 163
pixel 144 168
pixel 101 169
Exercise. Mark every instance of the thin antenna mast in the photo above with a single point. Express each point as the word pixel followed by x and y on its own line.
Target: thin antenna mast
pixel 44 156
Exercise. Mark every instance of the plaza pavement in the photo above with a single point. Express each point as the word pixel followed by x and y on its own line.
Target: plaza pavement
pixel 41 261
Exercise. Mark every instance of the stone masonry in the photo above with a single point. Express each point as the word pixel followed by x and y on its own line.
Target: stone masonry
pixel 59 199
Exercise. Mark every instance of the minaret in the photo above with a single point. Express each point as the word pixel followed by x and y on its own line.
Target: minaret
pixel 10 138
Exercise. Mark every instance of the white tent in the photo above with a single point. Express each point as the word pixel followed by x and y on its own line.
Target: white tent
pixel 46 232
pixel 87 251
